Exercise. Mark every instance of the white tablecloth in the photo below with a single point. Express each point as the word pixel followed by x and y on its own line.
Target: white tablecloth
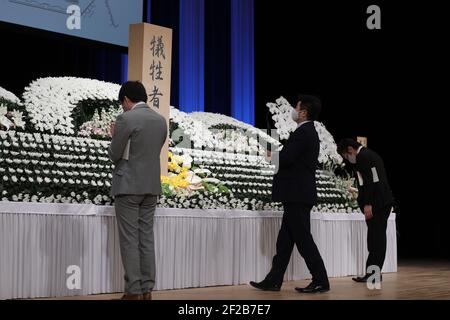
pixel 194 248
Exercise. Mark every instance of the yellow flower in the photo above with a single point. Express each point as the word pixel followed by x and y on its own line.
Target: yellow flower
pixel 183 184
pixel 183 174
pixel 165 179
pixel 172 166
pixel 178 174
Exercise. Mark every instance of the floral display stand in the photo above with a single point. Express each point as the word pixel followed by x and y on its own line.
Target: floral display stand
pixel 216 223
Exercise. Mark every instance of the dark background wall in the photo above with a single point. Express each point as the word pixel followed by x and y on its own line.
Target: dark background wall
pixel 387 85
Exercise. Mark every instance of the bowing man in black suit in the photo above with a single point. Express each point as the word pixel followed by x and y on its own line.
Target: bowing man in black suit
pixel 295 186
pixel 374 199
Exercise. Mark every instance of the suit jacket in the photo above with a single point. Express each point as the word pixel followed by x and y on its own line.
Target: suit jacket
pixel 295 180
pixel 146 131
pixel 373 185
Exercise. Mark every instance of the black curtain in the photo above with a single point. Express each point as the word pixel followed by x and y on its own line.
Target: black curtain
pixel 382 84
pixel 166 13
pixel 218 57
pixel 29 54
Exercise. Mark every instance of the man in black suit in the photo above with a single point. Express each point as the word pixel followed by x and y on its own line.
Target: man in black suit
pixel 374 199
pixel 295 186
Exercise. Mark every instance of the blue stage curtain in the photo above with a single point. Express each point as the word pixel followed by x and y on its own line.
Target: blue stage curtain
pixel 242 61
pixel 192 55
pixel 148 11
pixel 124 68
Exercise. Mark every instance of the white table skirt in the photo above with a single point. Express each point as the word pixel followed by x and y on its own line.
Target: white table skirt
pixel 194 248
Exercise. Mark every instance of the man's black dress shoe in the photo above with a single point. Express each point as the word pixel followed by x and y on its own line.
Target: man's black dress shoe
pixel 266 286
pixel 314 288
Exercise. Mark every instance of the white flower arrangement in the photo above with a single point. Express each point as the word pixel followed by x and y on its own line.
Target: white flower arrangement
pixel 251 177
pixel 40 167
pixel 7 95
pixel 196 131
pixel 250 141
pixel 50 101
pixel 197 127
pixel 12 119
pixel 28 170
pixel 4 121
pixel 100 123
pixel 328 148
pixel 285 125
pixel 281 115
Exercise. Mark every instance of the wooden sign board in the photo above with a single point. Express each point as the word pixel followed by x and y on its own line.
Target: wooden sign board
pixel 150 62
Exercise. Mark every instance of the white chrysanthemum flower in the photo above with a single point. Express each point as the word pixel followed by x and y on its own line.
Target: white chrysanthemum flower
pixel 7 95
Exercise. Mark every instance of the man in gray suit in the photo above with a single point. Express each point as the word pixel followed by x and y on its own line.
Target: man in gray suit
pixel 138 136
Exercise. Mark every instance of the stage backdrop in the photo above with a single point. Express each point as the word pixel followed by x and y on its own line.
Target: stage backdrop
pixel 105 21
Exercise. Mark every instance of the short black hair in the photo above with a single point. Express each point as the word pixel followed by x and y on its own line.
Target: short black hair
pixel 345 143
pixel 311 104
pixel 133 90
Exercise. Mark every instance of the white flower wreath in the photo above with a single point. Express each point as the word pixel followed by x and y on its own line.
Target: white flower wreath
pixel 50 101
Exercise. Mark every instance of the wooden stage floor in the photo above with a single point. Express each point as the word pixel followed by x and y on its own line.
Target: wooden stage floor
pixel 414 280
